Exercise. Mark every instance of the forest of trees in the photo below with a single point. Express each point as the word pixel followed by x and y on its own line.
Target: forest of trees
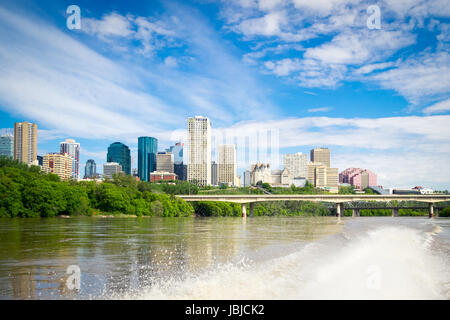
pixel 25 191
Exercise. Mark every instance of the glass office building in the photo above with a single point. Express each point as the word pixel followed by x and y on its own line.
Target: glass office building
pixel 7 145
pixel 147 149
pixel 90 170
pixel 120 153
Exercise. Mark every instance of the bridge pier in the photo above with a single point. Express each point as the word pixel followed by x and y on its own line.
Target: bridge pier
pixel 251 209
pixel 395 212
pixel 244 210
pixel 436 212
pixel 340 209
pixel 356 212
pixel 431 213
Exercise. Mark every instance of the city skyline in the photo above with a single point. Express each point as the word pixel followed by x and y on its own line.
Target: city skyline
pixel 378 98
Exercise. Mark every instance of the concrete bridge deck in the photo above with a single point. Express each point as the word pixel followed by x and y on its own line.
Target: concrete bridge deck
pixel 338 199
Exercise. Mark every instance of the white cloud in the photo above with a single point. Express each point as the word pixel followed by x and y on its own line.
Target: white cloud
pixel 440 107
pixel 283 67
pixel 425 76
pixel 112 24
pixel 373 67
pixel 171 61
pixel 321 109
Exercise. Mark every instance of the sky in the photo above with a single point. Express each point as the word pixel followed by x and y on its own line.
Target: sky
pixel 284 75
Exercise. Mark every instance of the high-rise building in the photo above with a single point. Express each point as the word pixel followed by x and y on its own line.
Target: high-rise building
pixel 72 148
pixel 90 170
pixel 181 171
pixel 214 174
pixel 59 164
pixel 40 160
pixel 321 155
pixel 296 164
pixel 25 142
pixel 226 164
pixel 177 151
pixel 164 162
pixel 199 150
pixel 359 178
pixel 322 176
pixel 147 149
pixel 110 169
pixel 120 153
pixel 7 145
pixel 246 180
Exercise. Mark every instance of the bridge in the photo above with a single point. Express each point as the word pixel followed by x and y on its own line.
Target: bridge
pixel 430 200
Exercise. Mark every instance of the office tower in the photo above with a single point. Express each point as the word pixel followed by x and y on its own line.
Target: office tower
pixel 321 155
pixel 181 171
pixel 177 151
pixel 214 174
pixel 7 145
pixel 246 180
pixel 40 160
pixel 199 150
pixel 147 149
pixel 110 169
pixel 323 177
pixel 59 164
pixel 296 164
pixel 179 168
pixel 164 162
pixel 90 170
pixel 226 165
pixel 72 148
pixel 25 142
pixel 359 178
pixel 120 153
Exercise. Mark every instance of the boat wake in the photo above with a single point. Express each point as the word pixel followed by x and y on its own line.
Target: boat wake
pixel 384 262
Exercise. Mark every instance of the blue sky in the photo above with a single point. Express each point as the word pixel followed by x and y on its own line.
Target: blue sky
pixel 303 73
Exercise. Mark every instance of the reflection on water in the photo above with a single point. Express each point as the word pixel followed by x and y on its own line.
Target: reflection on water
pixel 116 255
pixel 226 258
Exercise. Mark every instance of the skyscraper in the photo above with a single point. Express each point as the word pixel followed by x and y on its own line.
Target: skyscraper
pixel 59 164
pixel 90 170
pixel 226 166
pixel 7 145
pixel 177 151
pixel 199 150
pixel 147 149
pixel 321 155
pixel 164 162
pixel 214 172
pixel 25 142
pixel 179 168
pixel 120 153
pixel 296 164
pixel 72 148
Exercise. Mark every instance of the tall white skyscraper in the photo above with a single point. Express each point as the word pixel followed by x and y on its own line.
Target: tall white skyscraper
pixel 296 164
pixel 226 166
pixel 72 148
pixel 199 150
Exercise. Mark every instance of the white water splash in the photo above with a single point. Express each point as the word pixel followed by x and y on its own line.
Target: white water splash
pixel 384 263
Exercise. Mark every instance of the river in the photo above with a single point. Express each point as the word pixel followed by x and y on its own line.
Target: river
pixel 225 258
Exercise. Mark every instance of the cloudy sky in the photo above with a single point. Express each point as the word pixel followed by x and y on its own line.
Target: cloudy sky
pixel 291 74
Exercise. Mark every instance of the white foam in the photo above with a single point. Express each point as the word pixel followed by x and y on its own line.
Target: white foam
pixel 385 263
